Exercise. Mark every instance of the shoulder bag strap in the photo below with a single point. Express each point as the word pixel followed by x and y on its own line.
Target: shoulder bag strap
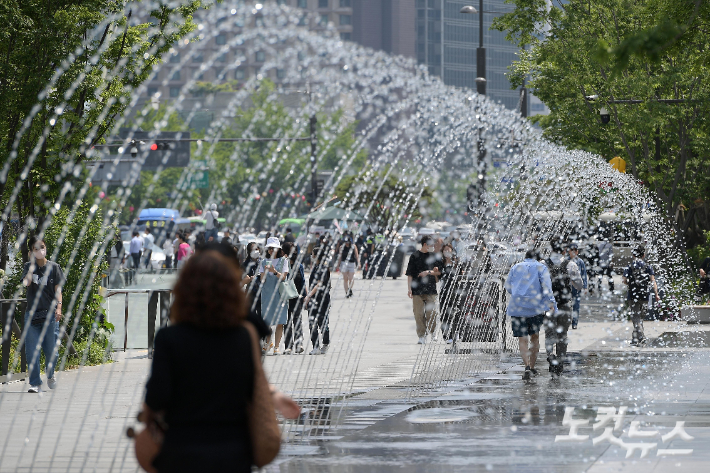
pixel 265 435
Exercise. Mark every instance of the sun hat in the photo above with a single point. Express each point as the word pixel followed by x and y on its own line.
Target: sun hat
pixel 273 242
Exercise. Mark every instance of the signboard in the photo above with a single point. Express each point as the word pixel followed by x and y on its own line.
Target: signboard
pixel 199 175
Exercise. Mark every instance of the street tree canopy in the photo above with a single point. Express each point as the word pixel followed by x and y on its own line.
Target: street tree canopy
pixel 646 62
pixel 68 71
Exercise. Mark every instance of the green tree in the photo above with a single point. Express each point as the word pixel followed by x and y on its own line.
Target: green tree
pixel 90 55
pixel 645 62
pixel 385 199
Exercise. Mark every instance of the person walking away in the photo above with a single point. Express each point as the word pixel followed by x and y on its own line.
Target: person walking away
pixel 447 297
pixel 205 429
pixel 169 250
pixel 564 275
pixel 606 268
pixel 348 260
pixel 135 250
pixel 289 238
pixel 184 251
pixel 227 238
pixel 530 290
pixel 639 276
pixel 573 251
pixel 211 223
pixel 148 240
pixel 118 256
pixel 317 301
pixel 44 280
pixel 294 325
pixel 422 276
pixel 273 270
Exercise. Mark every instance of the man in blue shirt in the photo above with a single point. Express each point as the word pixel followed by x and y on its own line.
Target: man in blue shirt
pixel 530 289
pixel 573 250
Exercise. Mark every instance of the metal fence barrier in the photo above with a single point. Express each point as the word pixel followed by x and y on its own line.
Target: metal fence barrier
pixel 8 309
pixel 156 297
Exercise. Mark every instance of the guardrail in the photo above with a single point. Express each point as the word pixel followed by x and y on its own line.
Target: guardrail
pixel 8 309
pixel 156 297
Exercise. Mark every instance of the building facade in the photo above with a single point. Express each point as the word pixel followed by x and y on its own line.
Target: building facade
pixel 446 41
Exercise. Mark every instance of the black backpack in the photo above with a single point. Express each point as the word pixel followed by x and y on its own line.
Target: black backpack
pixel 639 281
pixel 561 288
pixel 217 223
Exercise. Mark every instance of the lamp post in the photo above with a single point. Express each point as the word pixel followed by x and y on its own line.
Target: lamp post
pixel 480 51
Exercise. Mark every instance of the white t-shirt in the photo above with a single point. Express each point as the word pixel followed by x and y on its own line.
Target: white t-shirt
pixel 148 242
pixel 281 265
pixel 168 248
pixel 211 216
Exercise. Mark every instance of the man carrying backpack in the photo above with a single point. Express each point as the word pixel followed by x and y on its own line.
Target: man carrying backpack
pixel 639 276
pixel 565 276
pixel 211 223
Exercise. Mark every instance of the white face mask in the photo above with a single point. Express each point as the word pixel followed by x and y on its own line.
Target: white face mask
pixel 40 254
pixel 431 249
pixel 448 254
pixel 254 254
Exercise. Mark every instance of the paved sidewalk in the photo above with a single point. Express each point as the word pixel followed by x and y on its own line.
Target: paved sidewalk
pixel 80 426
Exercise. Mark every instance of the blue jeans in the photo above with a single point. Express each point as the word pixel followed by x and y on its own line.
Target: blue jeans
pixel 577 294
pixel 211 233
pixel 33 343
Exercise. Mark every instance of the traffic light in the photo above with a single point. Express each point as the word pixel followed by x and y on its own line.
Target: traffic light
pixel 161 146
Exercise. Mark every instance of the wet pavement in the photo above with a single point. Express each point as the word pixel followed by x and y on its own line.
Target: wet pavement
pixel 502 423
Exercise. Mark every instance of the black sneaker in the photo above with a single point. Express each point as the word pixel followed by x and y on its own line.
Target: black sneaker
pixel 528 373
pixel 534 372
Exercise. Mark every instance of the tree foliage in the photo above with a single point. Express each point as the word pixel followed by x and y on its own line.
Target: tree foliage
pixel 385 200
pixel 67 73
pixel 649 52
pixel 253 183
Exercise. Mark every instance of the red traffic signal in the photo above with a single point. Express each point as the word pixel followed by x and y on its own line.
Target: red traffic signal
pixel 154 147
pixel 159 146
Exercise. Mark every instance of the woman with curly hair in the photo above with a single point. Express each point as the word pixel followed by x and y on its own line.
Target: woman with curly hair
pixel 205 426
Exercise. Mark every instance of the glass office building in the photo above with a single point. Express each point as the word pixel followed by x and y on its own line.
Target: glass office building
pixel 446 42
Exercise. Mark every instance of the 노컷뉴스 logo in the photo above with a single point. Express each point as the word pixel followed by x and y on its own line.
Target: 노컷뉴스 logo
pixel 602 425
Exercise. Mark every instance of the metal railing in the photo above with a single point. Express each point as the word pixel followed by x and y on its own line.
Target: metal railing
pixel 156 297
pixel 8 309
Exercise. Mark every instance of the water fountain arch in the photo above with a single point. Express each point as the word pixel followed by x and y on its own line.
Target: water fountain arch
pixel 421 123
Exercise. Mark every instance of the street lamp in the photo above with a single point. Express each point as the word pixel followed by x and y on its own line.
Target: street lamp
pixel 481 58
pixel 480 51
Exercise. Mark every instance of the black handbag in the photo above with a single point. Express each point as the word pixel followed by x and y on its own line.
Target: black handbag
pixel 39 317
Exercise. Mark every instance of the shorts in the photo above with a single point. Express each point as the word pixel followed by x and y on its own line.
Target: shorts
pixel 524 326
pixel 347 267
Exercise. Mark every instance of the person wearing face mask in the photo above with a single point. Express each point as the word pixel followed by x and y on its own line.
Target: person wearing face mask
pixel 565 276
pixel 43 280
pixel 273 269
pixel 422 274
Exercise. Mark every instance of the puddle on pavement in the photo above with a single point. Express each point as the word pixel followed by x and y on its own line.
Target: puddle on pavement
pixel 682 340
pixel 438 415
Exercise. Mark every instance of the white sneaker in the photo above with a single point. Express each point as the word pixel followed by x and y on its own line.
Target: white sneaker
pixel 449 341
pixel 422 341
pixel 34 389
pixel 287 351
pixel 51 383
pixel 324 349
pixel 434 338
pixel 315 351
pixel 299 349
